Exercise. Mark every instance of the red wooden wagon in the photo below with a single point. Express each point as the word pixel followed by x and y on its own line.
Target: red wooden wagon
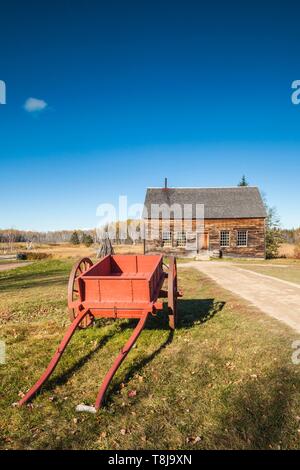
pixel 118 286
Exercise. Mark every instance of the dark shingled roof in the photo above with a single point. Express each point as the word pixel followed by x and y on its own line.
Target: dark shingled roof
pixel 219 203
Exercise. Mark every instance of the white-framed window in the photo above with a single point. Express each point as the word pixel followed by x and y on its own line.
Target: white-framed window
pixel 181 239
pixel 224 238
pixel 166 238
pixel 242 238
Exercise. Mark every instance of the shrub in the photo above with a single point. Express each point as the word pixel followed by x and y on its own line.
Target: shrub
pixel 273 242
pixel 21 256
pixel 33 256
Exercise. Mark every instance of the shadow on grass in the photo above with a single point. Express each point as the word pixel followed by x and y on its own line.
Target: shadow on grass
pixel 35 276
pixel 195 311
pixel 30 280
pixel 259 413
pixel 40 283
pixel 189 313
pixel 137 367
pixel 61 379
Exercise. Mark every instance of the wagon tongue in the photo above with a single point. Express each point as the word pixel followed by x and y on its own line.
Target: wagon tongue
pixel 87 408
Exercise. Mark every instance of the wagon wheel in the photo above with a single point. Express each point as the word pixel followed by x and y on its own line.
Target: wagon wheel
pixel 73 290
pixel 172 292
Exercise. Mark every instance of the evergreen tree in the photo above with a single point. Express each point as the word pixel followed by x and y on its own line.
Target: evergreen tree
pixel 273 233
pixel 74 238
pixel 87 239
pixel 243 181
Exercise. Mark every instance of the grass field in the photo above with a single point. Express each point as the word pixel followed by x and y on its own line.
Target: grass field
pixel 289 273
pixel 264 262
pixel 224 379
pixel 285 269
pixel 69 251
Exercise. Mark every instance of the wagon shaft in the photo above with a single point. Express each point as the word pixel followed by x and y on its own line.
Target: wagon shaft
pixel 118 286
pixel 55 359
pixel 118 361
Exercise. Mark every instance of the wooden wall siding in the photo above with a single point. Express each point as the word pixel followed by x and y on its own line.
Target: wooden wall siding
pixel 254 227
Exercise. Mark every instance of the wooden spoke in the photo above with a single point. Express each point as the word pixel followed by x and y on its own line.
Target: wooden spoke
pixel 79 268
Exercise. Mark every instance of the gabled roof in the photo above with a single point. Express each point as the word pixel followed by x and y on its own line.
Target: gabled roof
pixel 219 203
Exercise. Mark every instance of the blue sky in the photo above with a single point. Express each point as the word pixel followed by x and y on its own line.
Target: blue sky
pixel 131 92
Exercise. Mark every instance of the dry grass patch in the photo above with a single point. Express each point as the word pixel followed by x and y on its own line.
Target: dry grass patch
pixel 66 250
pixel 69 251
pixel 287 250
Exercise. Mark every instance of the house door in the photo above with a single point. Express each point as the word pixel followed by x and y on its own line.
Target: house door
pixel 203 241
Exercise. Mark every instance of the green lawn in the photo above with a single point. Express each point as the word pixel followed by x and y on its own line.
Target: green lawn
pixel 290 273
pixel 265 262
pixel 283 268
pixel 224 379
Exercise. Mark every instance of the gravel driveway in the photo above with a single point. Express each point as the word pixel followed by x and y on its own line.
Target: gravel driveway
pixel 275 297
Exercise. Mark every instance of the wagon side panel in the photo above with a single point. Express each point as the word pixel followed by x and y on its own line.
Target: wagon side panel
pixel 117 290
pixel 140 290
pixel 92 291
pixel 156 281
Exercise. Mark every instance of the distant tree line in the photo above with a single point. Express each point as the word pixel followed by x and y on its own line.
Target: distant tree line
pixel 123 232
pixel 291 235
pixel 87 237
pixel 58 236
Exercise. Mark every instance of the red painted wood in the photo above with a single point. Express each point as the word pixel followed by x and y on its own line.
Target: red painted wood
pixel 122 278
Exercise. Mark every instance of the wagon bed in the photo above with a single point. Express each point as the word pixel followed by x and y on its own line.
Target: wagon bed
pixel 121 286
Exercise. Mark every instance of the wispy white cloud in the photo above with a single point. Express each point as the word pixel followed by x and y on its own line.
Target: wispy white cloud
pixel 33 105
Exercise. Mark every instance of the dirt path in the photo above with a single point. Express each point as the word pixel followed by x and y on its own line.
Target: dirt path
pixel 7 266
pixel 275 297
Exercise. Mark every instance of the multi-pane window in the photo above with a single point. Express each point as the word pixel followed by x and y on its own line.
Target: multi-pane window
pixel 242 238
pixel 167 239
pixel 224 238
pixel 181 239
